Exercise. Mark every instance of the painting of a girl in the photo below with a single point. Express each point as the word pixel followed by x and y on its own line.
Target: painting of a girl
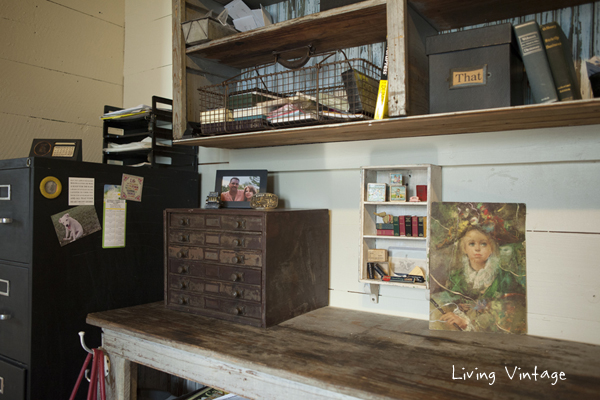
pixel 477 267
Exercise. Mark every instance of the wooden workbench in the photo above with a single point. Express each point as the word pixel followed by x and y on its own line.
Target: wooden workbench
pixel 334 353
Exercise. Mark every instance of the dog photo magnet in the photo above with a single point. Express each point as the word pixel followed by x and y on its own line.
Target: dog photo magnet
pixel 75 223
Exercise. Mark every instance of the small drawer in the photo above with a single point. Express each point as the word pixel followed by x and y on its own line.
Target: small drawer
pixel 232 291
pixel 186 268
pixel 186 283
pixel 232 307
pixel 186 237
pixel 12 381
pixel 200 302
pixel 186 253
pixel 246 258
pixel 234 222
pixel 233 274
pixel 241 241
pixel 186 221
pixel 221 289
pixel 14 313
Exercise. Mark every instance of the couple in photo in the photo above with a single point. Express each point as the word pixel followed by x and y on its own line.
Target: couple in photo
pixel 235 193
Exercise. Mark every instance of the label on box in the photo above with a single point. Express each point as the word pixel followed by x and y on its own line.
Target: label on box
pixel 467 77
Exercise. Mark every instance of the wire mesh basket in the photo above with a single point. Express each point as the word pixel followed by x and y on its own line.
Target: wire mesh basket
pixel 339 91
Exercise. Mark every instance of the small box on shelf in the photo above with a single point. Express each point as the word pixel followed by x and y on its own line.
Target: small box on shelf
pixel 475 69
pixel 397 193
pixel 376 192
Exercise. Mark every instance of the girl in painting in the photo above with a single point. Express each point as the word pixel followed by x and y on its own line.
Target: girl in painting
pixel 483 290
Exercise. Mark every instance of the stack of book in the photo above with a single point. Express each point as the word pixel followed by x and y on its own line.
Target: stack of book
pixel 548 61
pixel 403 225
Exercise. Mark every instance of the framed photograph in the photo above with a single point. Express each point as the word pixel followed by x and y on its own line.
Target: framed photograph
pixel 376 191
pixel 395 179
pixel 397 193
pixel 238 186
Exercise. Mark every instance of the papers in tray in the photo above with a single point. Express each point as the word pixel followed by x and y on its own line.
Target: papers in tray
pixel 290 113
pixel 128 113
pixel 135 146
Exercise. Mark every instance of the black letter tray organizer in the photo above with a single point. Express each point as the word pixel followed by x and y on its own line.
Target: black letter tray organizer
pixel 339 91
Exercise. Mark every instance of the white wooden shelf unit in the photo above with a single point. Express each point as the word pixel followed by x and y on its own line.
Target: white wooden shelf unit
pixel 406 247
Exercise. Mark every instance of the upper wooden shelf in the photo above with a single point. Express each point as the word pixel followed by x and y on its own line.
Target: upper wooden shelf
pixel 354 25
pixel 561 114
pixel 358 24
pixel 452 14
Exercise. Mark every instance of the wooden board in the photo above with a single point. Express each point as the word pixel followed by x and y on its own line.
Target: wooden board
pixel 350 353
pixel 445 15
pixel 328 30
pixel 575 113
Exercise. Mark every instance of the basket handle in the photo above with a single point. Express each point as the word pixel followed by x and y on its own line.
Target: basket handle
pixel 296 63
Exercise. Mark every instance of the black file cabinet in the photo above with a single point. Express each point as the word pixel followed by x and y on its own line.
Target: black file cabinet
pixel 47 290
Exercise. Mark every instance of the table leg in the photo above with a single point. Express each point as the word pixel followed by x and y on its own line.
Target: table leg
pixel 121 383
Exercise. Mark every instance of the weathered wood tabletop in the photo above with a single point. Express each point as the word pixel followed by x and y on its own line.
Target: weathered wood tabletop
pixel 371 356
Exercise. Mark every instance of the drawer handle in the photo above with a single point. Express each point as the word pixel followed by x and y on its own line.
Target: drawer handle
pixel 239 242
pixel 237 293
pixel 6 220
pixel 182 285
pixel 241 224
pixel 239 259
pixel 184 238
pixel 4 317
pixel 182 254
pixel 184 222
pixel 236 277
pixel 183 269
pixel 238 311
pixel 182 301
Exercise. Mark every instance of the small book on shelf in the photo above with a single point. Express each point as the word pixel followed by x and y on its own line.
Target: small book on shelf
pixel 531 47
pixel 415 226
pixel 401 226
pixel 408 225
pixel 559 54
pixel 422 229
pixel 384 226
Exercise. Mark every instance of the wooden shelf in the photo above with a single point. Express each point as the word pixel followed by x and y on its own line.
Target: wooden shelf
pixel 326 31
pixel 358 24
pixel 561 114
pixel 452 14
pixel 394 237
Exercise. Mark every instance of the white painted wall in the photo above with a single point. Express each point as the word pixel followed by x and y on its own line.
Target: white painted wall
pixel 61 61
pixel 555 172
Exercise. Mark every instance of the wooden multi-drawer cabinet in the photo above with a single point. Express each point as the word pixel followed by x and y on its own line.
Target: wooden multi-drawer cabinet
pixel 255 267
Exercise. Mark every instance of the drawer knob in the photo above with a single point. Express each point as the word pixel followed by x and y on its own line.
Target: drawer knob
pixel 182 254
pixel 236 277
pixel 184 222
pixel 183 269
pixel 182 285
pixel 182 301
pixel 238 242
pixel 238 259
pixel 184 238
pixel 238 311
pixel 4 317
pixel 241 224
pixel 236 293
pixel 6 220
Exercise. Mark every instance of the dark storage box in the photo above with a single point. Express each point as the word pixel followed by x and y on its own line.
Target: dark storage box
pixel 475 69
